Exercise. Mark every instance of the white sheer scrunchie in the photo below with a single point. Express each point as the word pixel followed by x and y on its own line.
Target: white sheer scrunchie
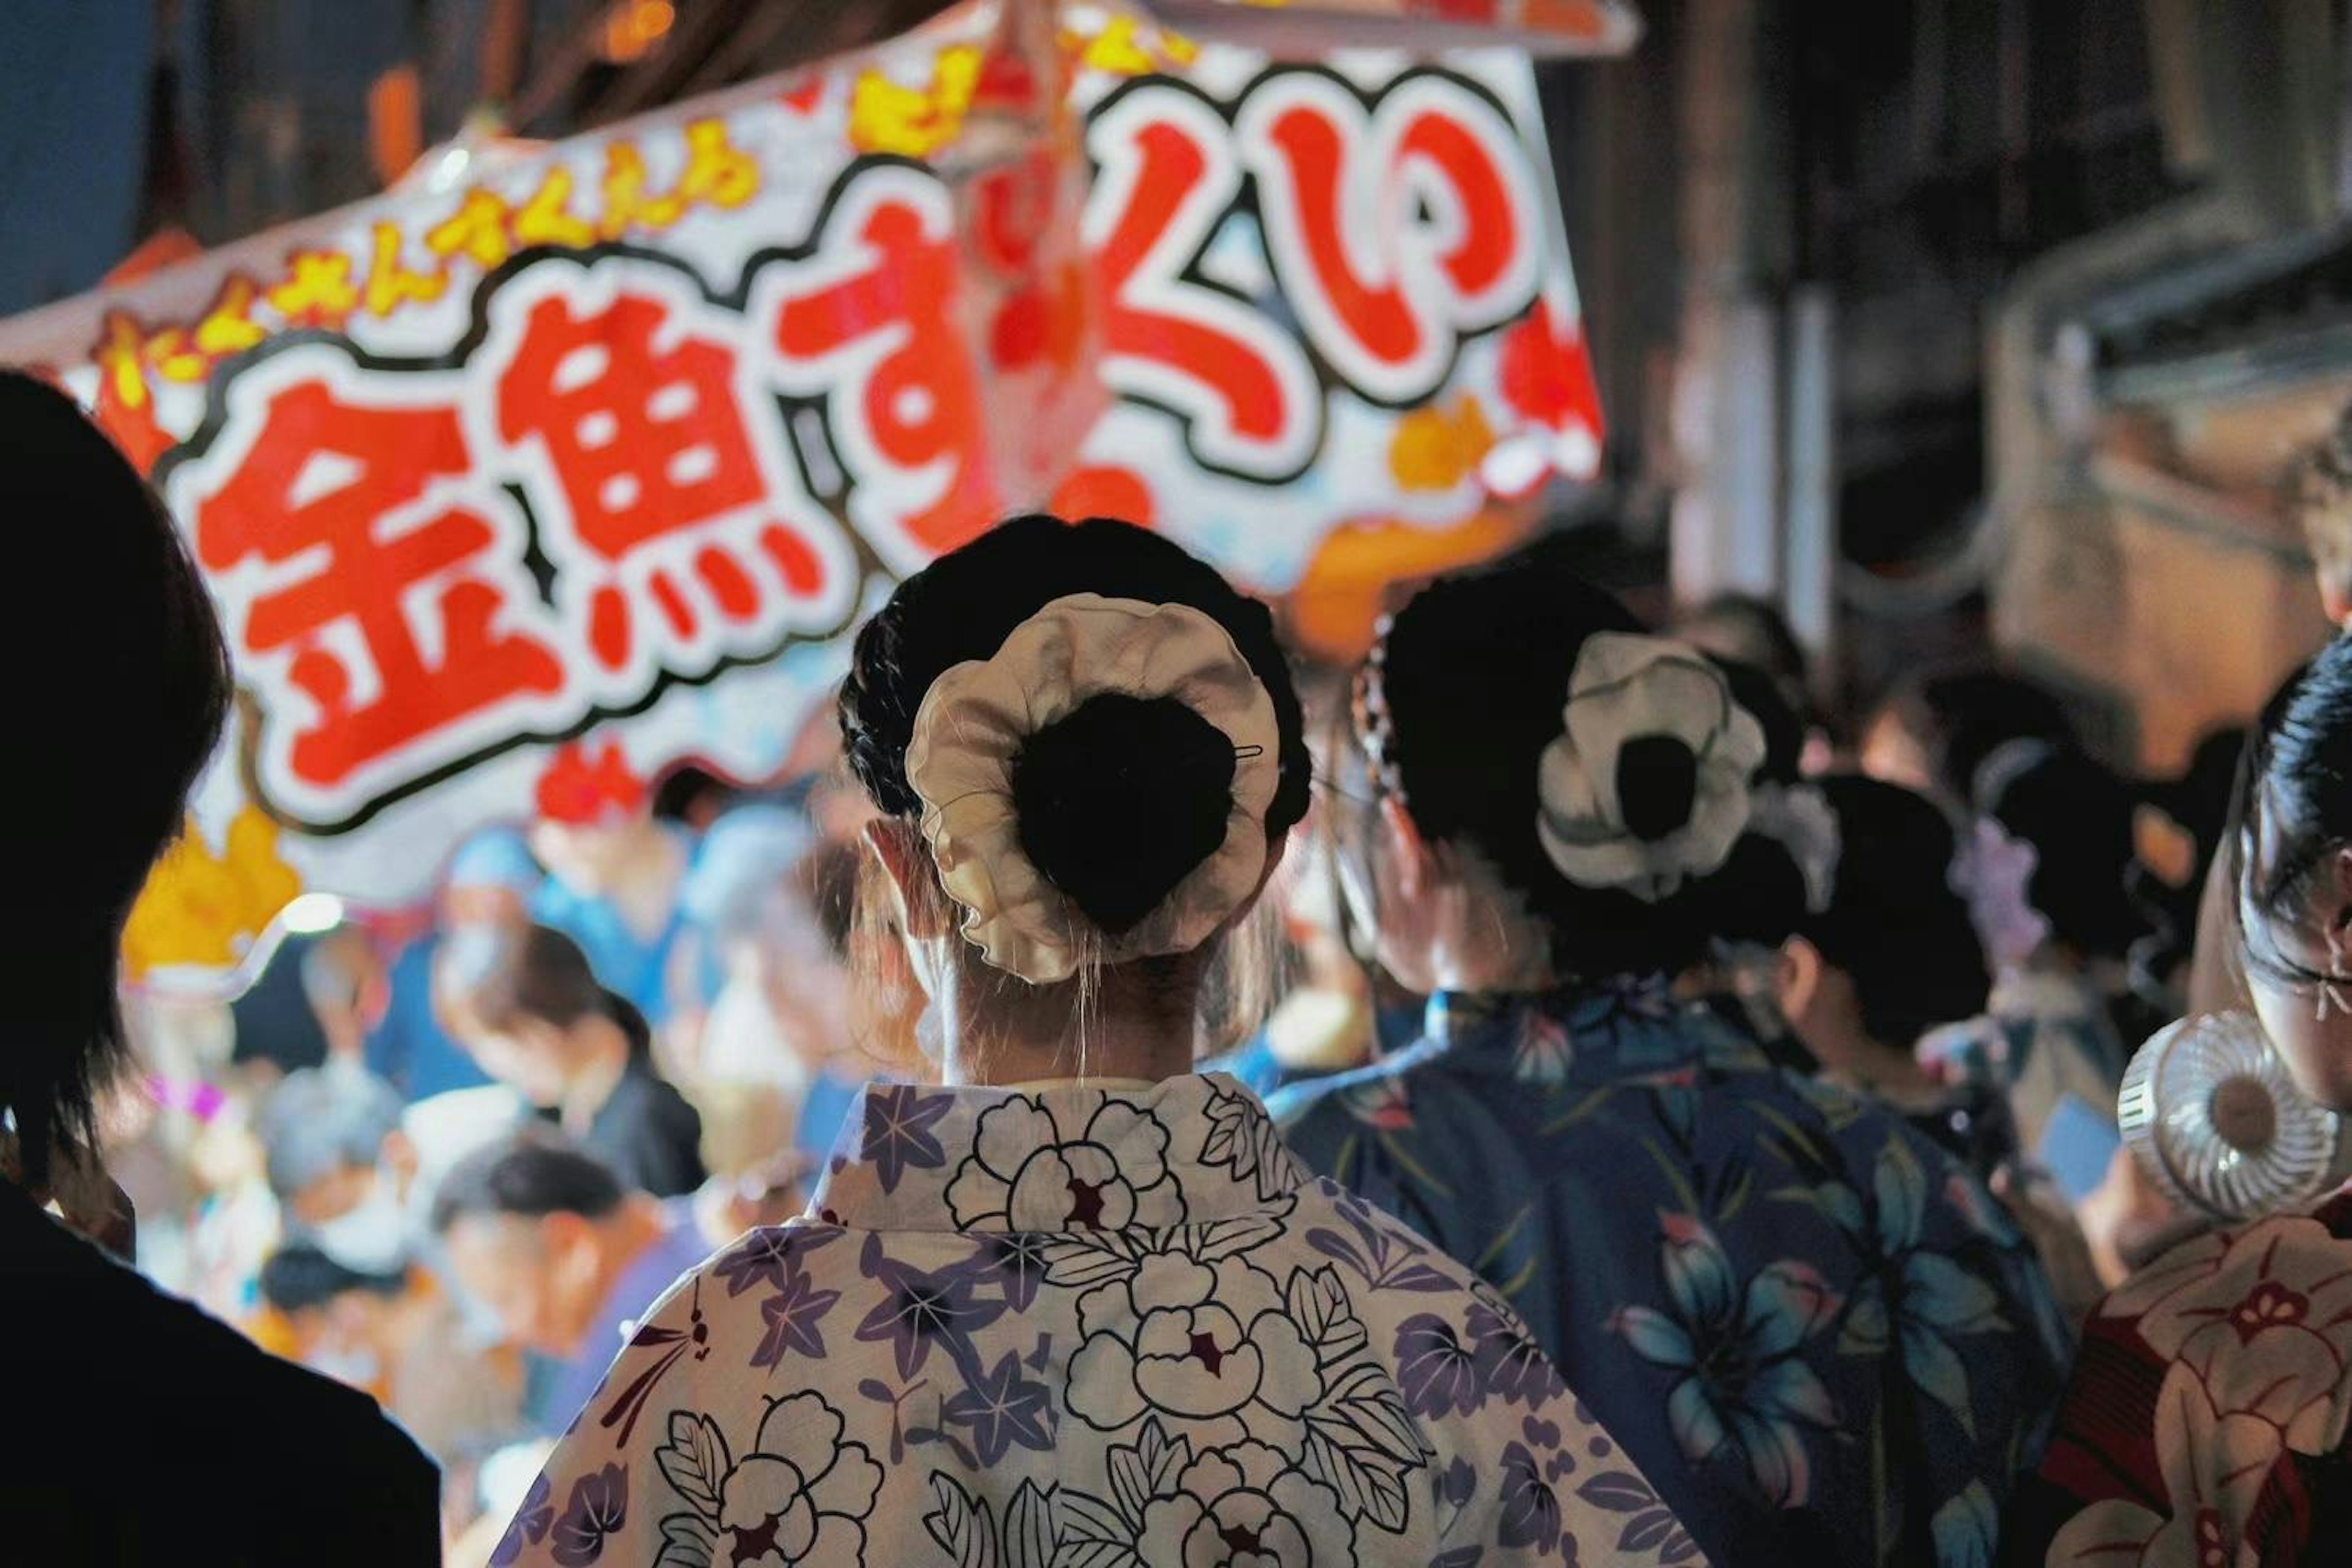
pixel 1623 689
pixel 978 715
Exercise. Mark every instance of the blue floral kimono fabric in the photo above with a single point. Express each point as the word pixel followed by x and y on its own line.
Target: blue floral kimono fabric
pixel 1823 1341
pixel 1076 1327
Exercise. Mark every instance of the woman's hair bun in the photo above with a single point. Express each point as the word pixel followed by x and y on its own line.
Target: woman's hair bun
pixel 1657 786
pixel 1120 800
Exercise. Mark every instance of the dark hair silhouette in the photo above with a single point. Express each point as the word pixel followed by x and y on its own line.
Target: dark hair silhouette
pixel 1893 924
pixel 1760 894
pixel 2079 818
pixel 298 1276
pixel 2301 801
pixel 530 1174
pixel 1121 798
pixel 1963 715
pixel 499 978
pixel 1476 673
pixel 120 673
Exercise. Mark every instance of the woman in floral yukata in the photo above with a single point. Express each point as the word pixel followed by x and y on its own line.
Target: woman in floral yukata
pixel 1818 1335
pixel 2207 1419
pixel 1080 1306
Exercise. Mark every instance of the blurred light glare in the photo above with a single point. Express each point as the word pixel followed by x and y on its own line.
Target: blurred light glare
pixel 312 913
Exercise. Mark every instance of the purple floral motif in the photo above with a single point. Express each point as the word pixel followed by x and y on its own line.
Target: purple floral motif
pixel 1740 1349
pixel 1510 1365
pixel 599 1506
pixel 920 1308
pixel 1995 873
pixel 1002 1408
pixel 1437 1373
pixel 1014 1261
pixel 1651 1525
pixel 532 1522
pixel 898 1131
pixel 1385 1256
pixel 791 1317
pixel 766 1256
pixel 1530 1508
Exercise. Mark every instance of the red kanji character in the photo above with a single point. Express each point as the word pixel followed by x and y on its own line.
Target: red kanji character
pixel 650 450
pixel 1396 231
pixel 348 568
pixel 1248 397
pixel 909 420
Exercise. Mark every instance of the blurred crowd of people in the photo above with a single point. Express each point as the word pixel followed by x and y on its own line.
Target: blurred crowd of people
pixel 1733 1050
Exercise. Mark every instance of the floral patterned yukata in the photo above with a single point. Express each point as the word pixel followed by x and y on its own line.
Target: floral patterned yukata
pixel 2205 1427
pixel 1820 1336
pixel 1086 1327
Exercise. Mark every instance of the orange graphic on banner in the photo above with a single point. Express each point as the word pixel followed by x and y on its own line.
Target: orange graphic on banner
pixel 203 910
pixel 1437 449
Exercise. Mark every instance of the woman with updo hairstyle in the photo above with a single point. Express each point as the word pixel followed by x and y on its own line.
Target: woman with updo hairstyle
pixel 1816 1333
pixel 2207 1418
pixel 2046 870
pixel 1077 1304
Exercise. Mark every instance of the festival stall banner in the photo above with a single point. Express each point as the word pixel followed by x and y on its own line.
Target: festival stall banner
pixel 623 433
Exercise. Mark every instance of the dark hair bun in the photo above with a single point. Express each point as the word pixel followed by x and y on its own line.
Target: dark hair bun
pixel 2079 817
pixel 1895 925
pixel 1657 786
pixel 1120 800
pixel 964 605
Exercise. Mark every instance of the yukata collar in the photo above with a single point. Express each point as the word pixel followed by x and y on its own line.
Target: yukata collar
pixel 1586 1032
pixel 1057 1158
pixel 1460 1017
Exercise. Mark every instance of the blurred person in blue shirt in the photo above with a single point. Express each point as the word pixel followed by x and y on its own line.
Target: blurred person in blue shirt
pixel 490 883
pixel 617 878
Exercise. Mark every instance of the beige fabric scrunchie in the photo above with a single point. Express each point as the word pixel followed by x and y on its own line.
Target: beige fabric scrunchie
pixel 978 715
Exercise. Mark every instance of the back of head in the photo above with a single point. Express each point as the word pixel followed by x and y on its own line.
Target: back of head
pixel 1741 629
pixel 527 1174
pixel 1127 789
pixel 2079 818
pixel 1475 690
pixel 300 1277
pixel 494 978
pixel 1962 715
pixel 1893 923
pixel 319 1120
pixel 121 672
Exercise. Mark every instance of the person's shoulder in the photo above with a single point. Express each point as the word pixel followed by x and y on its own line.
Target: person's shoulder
pixel 1354 1096
pixel 190 1360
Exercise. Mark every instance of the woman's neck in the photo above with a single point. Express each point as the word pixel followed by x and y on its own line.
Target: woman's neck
pixel 1488 946
pixel 1128 1029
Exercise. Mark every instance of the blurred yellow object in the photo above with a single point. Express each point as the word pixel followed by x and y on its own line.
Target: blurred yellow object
pixel 886 116
pixel 1437 449
pixel 205 909
pixel 1341 594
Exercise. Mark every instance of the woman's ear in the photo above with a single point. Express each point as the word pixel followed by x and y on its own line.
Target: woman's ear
pixel 898 845
pixel 1798 977
pixel 2335 914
